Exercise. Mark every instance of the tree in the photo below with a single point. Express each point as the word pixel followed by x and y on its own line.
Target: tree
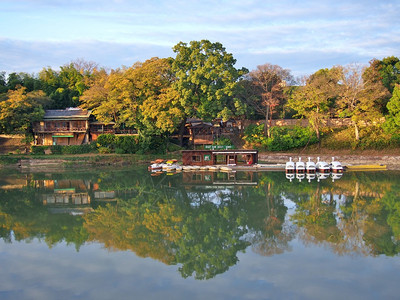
pixel 64 86
pixel 205 78
pixel 389 71
pixel 392 123
pixel 140 96
pixel 267 83
pixel 20 109
pixel 3 83
pixel 313 99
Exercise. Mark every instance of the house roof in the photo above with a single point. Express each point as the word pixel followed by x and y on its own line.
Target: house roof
pixel 67 114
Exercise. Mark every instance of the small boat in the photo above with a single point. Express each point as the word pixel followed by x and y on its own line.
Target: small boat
pixel 213 168
pixel 156 166
pixel 366 167
pixel 310 166
pixel 322 166
pixel 300 166
pixel 336 166
pixel 290 166
pixel 226 169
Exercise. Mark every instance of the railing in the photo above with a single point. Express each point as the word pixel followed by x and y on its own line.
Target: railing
pixel 58 129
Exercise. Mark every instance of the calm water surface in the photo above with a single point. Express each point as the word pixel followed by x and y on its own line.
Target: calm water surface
pixel 124 234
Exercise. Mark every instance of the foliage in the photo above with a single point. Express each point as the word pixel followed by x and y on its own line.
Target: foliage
pixel 131 144
pixel 266 85
pixel 392 123
pixel 314 99
pixel 139 96
pixel 64 87
pixel 69 149
pixel 223 141
pixel 285 138
pixel 282 138
pixel 19 110
pixel 389 70
pixel 205 78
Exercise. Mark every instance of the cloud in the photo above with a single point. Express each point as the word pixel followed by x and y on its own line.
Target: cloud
pixel 254 31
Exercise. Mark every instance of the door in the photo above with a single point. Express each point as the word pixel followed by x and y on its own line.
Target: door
pixel 231 160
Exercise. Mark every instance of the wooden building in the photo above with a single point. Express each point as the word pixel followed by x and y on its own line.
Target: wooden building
pixel 219 157
pixel 63 127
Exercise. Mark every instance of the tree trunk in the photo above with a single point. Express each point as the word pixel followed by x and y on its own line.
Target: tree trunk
pixel 356 131
pixel 266 127
pixel 181 132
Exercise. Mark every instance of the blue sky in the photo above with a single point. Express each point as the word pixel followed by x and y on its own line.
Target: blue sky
pixel 303 36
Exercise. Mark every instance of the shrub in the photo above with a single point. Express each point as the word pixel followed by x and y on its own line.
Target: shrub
pixel 282 138
pixel 285 138
pixel 126 144
pixel 78 149
pixel 173 147
pixel 56 149
pixel 104 150
pixel 38 150
pixel 106 140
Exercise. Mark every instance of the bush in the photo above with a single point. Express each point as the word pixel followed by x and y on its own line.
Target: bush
pixel 282 138
pixel 56 149
pixel 126 144
pixel 152 145
pixel 106 140
pixel 285 138
pixel 108 143
pixel 78 149
pixel 38 150
pixel 173 147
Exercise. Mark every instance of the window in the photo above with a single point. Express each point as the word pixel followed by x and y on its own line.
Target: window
pixel 196 158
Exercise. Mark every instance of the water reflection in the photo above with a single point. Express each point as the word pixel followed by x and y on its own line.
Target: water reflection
pixel 313 176
pixel 201 221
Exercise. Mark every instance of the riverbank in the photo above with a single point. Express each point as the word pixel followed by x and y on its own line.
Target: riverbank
pixel 390 158
pixel 51 162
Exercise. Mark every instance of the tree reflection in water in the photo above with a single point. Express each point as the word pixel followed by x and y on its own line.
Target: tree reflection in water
pixel 200 222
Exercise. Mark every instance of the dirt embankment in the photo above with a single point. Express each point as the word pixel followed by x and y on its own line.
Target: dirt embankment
pixel 390 158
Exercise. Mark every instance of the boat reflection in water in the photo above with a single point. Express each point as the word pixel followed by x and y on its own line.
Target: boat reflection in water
pixel 313 176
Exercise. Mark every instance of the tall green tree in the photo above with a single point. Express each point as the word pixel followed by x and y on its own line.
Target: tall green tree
pixel 3 82
pixel 64 86
pixel 205 78
pixel 389 71
pixel 392 123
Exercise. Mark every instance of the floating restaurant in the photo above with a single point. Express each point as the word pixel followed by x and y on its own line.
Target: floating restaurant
pixel 210 157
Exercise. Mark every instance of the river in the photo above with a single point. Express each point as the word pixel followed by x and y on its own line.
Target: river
pixel 130 234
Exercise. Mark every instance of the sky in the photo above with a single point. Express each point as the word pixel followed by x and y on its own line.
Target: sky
pixel 300 35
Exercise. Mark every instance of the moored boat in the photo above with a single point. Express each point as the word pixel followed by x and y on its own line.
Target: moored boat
pixel 322 166
pixel 300 166
pixel 290 166
pixel 310 166
pixel 336 166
